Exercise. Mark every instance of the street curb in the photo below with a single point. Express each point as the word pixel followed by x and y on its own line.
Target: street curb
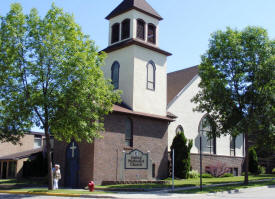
pixel 40 193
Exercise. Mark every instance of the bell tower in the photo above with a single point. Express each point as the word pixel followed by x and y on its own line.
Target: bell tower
pixel 135 63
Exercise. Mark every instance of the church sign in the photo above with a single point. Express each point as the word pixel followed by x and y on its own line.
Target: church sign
pixel 136 160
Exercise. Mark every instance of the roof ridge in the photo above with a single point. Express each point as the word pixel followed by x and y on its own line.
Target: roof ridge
pixel 140 5
pixel 184 69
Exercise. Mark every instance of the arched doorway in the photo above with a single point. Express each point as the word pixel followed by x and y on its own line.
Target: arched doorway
pixel 72 165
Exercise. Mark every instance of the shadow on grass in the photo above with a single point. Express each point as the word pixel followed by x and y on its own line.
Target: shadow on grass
pixel 229 188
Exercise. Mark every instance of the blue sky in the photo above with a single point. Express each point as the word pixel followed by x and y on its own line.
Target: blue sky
pixel 186 27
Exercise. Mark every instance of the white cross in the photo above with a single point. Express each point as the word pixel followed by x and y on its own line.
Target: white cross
pixel 73 147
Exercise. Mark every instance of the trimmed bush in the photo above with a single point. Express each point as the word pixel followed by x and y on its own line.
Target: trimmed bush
pixel 273 171
pixel 206 175
pixel 194 174
pixel 227 175
pixel 182 148
pixel 253 161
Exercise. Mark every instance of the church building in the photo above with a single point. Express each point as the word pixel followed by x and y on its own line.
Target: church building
pixel 224 151
pixel 139 132
pixel 135 140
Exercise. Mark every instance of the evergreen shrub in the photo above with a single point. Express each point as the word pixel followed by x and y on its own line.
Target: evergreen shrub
pixel 253 161
pixel 182 147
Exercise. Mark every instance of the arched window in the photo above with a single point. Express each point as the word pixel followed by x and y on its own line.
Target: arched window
pixel 179 129
pixel 140 29
pixel 208 144
pixel 125 29
pixel 115 33
pixel 151 33
pixel 151 75
pixel 115 74
pixel 129 132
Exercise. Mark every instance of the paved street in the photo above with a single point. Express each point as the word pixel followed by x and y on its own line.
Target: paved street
pixel 252 193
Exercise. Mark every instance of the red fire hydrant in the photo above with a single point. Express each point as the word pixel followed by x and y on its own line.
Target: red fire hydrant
pixel 91 186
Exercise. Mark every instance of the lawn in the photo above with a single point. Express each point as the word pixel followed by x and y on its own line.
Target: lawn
pixel 25 185
pixel 191 182
pixel 231 188
pixel 59 191
pixel 23 182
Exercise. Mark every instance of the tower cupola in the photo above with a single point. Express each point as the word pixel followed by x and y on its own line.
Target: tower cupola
pixel 134 19
pixel 135 63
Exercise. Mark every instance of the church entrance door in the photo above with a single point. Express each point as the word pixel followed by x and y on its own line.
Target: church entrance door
pixel 72 165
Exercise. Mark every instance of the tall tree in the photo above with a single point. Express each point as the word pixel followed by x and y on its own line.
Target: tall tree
pixel 237 83
pixel 50 77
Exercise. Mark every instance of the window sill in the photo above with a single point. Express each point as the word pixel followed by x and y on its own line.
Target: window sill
pixel 128 148
pixel 151 89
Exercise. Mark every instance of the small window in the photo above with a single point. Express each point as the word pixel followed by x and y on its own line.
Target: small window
pixel 153 170
pixel 12 167
pixel 232 146
pixel 115 74
pixel 179 129
pixel 115 33
pixel 37 141
pixel 4 170
pixel 151 33
pixel 151 76
pixel 140 29
pixel 129 133
pixel 125 29
pixel 235 172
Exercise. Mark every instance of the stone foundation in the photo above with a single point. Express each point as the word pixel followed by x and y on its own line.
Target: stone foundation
pixel 234 163
pixel 135 182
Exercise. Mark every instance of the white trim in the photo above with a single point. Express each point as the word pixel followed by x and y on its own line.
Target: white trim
pixel 180 93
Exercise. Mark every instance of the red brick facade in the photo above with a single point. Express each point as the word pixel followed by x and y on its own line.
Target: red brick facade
pixel 208 159
pixel 101 161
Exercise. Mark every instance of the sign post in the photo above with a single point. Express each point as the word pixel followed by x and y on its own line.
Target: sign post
pixel 173 169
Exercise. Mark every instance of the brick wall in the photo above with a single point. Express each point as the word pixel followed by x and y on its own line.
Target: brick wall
pixel 207 159
pixel 148 135
pixel 7 148
pixel 101 160
pixel 85 161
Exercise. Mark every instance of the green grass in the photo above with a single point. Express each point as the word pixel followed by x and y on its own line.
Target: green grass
pixel 27 184
pixel 59 191
pixel 23 182
pixel 228 188
pixel 190 182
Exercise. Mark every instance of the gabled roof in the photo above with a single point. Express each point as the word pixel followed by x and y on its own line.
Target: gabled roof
pixel 140 5
pixel 177 80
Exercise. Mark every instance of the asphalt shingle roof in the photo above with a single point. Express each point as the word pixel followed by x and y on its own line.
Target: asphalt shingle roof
pixel 177 80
